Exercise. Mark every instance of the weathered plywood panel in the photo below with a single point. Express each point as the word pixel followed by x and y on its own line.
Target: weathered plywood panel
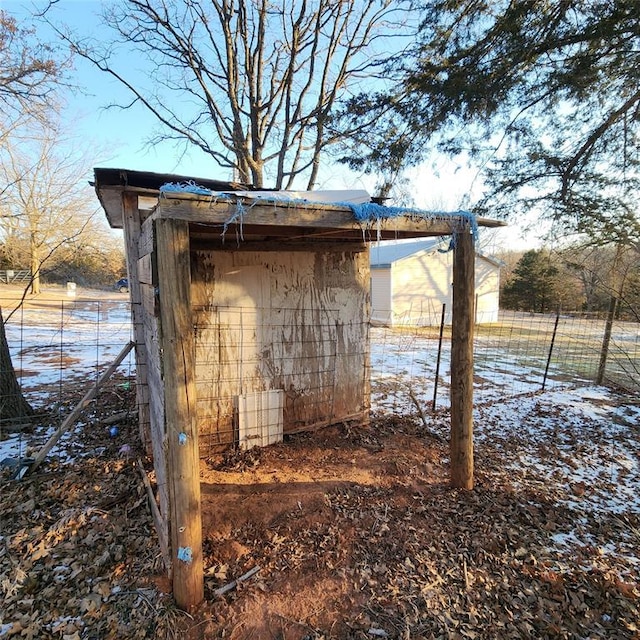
pixel 296 321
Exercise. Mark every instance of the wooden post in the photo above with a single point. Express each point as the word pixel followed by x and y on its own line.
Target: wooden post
pixel 462 360
pixel 183 470
pixel 606 340
pixel 131 228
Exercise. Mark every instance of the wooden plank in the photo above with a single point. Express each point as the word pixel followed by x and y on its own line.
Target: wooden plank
pixel 163 539
pixel 209 242
pixel 462 361
pixel 145 240
pixel 131 228
pixel 296 215
pixel 144 269
pixel 70 420
pixel 149 301
pixel 155 398
pixel 183 473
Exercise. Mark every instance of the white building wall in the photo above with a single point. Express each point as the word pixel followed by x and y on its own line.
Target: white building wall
pixel 381 295
pixel 421 285
pixel 487 291
pixel 413 290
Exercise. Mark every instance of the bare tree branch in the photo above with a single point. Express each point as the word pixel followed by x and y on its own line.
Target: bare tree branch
pixel 250 84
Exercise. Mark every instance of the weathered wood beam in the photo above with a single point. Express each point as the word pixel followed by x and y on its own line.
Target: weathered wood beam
pixel 183 473
pixel 462 360
pixel 297 215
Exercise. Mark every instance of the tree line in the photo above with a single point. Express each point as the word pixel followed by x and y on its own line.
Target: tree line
pixel 584 279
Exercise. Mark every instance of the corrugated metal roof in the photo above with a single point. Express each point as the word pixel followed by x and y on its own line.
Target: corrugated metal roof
pixel 383 255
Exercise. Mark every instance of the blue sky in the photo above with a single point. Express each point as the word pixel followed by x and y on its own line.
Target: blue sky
pixel 119 137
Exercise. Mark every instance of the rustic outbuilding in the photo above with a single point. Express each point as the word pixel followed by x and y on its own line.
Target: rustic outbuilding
pixel 251 319
pixel 411 281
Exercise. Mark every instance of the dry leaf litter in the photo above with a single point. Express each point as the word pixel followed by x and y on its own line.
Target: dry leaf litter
pixel 355 531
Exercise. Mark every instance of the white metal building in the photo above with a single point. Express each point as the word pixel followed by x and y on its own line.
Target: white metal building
pixel 410 282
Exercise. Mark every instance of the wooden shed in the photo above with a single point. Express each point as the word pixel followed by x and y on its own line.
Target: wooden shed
pixel 411 281
pixel 251 319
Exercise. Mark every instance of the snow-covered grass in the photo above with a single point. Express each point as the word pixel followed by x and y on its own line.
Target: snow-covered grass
pixel 78 338
pixel 53 346
pixel 575 445
pixel 580 448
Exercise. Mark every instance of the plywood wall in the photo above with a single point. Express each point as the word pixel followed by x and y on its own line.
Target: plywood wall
pixel 291 320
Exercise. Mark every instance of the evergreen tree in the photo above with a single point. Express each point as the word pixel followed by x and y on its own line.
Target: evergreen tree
pixel 544 95
pixel 532 286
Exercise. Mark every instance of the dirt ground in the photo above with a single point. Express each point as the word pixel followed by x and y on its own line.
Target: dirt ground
pixel 51 295
pixel 354 532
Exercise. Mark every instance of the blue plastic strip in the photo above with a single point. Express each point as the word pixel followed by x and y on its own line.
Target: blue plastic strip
pixel 185 554
pixel 362 212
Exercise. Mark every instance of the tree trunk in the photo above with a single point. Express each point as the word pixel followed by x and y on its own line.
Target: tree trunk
pixel 12 403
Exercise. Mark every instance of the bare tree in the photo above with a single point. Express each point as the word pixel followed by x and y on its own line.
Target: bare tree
pixel 252 84
pixel 45 209
pixel 29 74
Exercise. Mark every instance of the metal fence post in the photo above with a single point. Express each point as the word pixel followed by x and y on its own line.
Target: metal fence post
pixel 435 384
pixel 553 341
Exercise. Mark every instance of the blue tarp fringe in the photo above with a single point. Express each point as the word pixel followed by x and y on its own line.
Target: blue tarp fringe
pixel 368 212
pixel 185 187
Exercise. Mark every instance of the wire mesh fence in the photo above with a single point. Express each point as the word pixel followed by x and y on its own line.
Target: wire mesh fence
pixel 58 350
pixel 520 353
pixel 315 359
pixel 59 347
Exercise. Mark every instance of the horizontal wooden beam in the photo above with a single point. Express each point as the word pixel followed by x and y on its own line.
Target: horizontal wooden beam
pixel 203 243
pixel 244 216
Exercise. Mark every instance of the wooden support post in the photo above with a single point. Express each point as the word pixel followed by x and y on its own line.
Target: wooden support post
pixel 183 470
pixel 462 360
pixel 131 228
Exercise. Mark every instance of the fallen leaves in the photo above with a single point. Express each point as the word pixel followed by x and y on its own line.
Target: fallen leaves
pixel 72 551
pixel 390 553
